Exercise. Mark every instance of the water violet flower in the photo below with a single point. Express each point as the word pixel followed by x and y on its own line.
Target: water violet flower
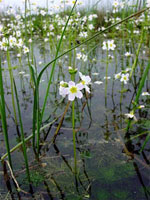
pixel 85 81
pixel 74 91
pixel 124 78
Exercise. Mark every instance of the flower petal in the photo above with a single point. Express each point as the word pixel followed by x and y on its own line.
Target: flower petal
pixel 79 94
pixel 71 97
pixel 71 83
pixel 87 89
pixel 80 86
pixel 80 74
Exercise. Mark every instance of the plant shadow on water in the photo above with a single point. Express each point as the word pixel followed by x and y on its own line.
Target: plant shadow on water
pixel 110 163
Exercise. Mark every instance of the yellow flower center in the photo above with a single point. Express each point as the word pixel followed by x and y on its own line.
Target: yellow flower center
pixel 73 89
pixel 125 78
pixel 83 82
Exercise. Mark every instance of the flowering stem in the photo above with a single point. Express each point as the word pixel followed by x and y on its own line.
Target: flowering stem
pixel 11 85
pixel 73 130
pixel 74 137
pixel 106 80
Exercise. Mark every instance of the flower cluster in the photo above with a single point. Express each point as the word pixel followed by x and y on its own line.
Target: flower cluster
pixel 123 76
pixel 73 90
pixel 13 42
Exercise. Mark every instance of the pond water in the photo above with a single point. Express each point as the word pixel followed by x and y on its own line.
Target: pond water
pixel 106 171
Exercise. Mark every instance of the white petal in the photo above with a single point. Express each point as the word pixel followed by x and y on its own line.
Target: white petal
pixel 79 94
pixel 88 79
pixel 87 89
pixel 71 97
pixel 80 86
pixel 71 83
pixel 80 74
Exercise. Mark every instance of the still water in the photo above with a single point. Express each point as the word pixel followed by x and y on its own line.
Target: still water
pixel 106 171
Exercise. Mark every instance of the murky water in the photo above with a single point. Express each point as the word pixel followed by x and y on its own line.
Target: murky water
pixel 105 170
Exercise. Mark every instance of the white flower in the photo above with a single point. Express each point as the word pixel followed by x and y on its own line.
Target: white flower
pixel 148 3
pixel 145 94
pixel 90 17
pixel 18 33
pixel 74 91
pixel 107 77
pixel 79 56
pixel 4 44
pixel 19 43
pixel 63 89
pixel 51 27
pixel 118 76
pixel 124 78
pixel 128 69
pixel 30 40
pixel 45 39
pixel 18 55
pixel 141 106
pixel 111 45
pixel 115 3
pixel 95 74
pixel 127 54
pixel 98 82
pixel 83 34
pixel 25 49
pixel 110 56
pixel 42 12
pixel 21 72
pixel 91 27
pixel 84 57
pixel 131 116
pixel 104 46
pixel 12 41
pixel 85 81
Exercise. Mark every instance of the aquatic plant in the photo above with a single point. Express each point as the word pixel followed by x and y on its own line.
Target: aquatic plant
pixel 70 36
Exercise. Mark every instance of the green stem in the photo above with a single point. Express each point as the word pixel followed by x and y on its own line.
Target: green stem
pixel 22 135
pixel 3 116
pixel 74 137
pixel 106 76
pixel 12 88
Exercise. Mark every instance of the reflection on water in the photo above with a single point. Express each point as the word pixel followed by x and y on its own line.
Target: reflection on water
pixel 109 166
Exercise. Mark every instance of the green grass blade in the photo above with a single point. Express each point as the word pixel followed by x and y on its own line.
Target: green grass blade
pixel 137 53
pixel 145 142
pixel 54 62
pixel 34 108
pixel 3 116
pixel 22 134
pixel 142 82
